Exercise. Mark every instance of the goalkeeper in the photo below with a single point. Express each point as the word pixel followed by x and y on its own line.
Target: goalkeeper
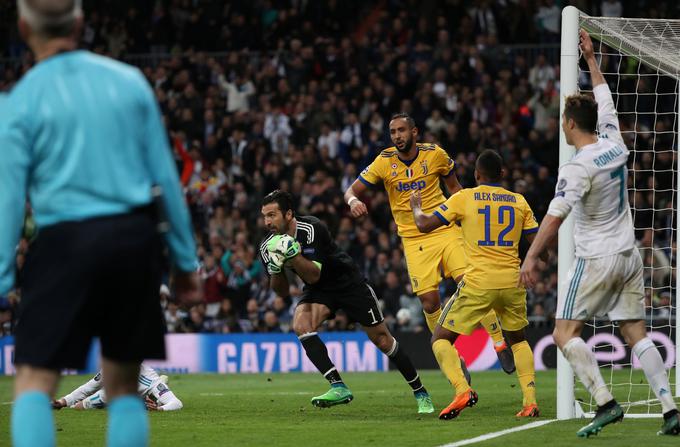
pixel 303 245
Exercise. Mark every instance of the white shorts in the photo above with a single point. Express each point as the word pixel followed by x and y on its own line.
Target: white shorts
pixel 609 286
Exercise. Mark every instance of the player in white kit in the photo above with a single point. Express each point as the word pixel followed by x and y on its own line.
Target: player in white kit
pixel 152 387
pixel 606 278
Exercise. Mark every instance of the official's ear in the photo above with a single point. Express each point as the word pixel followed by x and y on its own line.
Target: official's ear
pixel 78 26
pixel 24 29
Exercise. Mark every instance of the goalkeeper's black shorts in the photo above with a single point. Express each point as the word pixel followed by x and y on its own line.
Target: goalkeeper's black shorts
pixel 358 301
pixel 94 278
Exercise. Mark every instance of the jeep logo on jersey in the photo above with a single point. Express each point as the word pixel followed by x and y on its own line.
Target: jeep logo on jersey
pixel 411 186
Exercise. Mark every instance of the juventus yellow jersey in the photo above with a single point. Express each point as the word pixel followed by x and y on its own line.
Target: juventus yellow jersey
pixel 400 178
pixel 493 221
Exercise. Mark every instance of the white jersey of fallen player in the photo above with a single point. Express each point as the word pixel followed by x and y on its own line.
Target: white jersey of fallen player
pixel 92 393
pixel 593 185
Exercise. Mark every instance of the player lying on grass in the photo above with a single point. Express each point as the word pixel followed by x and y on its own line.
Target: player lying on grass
pixel 152 387
pixel 493 220
pixel 302 245
pixel 607 276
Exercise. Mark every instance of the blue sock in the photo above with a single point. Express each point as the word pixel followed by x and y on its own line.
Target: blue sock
pixel 32 422
pixel 128 422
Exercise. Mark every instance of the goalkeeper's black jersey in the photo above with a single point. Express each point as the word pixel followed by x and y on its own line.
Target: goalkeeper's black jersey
pixel 338 270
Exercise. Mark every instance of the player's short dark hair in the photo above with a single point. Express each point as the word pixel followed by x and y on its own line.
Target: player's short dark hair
pixel 583 110
pixel 490 165
pixel 282 198
pixel 411 122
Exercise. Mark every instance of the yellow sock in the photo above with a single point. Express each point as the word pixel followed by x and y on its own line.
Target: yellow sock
pixel 449 363
pixel 493 327
pixel 432 319
pixel 524 361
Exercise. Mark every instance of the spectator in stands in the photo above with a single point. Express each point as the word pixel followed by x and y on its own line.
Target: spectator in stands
pixel 271 322
pixel 611 8
pixel 405 323
pixel 308 116
pixel 541 301
pixel 226 321
pixel 540 74
pixel 548 20
pixel 174 318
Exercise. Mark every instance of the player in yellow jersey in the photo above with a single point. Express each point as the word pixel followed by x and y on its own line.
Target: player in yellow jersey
pixel 493 220
pixel 410 166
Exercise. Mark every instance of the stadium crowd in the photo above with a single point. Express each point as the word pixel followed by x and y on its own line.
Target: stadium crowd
pixel 297 95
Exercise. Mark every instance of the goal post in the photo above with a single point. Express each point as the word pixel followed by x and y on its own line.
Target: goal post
pixel 569 56
pixel 640 59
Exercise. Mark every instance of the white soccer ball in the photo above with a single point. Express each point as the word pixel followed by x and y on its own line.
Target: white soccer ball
pixel 277 258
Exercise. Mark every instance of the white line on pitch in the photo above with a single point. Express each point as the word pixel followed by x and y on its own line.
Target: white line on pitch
pixel 285 393
pixel 496 434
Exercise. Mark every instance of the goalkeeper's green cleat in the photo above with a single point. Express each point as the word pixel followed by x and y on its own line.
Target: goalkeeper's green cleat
pixel 671 425
pixel 335 396
pixel 424 403
pixel 608 414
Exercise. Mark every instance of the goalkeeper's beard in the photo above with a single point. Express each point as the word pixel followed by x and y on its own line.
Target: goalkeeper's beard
pixel 282 229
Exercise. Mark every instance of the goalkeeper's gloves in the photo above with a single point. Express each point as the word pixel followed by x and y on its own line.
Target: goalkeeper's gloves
pixel 284 245
pixel 275 264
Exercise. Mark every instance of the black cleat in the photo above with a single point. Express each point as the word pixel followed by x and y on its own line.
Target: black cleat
pixel 609 413
pixel 671 424
pixel 466 373
pixel 506 358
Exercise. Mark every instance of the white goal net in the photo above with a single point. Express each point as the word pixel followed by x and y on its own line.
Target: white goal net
pixel 640 59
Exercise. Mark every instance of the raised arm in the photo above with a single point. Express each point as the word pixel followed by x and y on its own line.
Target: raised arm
pixel 607 121
pixel 588 51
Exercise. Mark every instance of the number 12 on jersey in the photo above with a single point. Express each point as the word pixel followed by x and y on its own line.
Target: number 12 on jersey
pixel 506 216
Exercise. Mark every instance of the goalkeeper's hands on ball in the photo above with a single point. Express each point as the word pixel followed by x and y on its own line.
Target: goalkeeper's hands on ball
pixel 281 248
pixel 275 264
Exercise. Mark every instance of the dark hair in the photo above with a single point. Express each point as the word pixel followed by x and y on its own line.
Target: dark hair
pixel 583 110
pixel 490 165
pixel 282 198
pixel 411 122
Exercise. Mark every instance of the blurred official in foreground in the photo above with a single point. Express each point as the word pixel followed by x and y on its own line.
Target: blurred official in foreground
pixel 82 140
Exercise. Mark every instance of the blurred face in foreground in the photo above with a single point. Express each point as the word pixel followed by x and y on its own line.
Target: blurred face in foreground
pixel 403 136
pixel 275 221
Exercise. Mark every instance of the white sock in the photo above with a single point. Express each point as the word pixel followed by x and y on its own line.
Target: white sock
pixel 585 366
pixel 654 369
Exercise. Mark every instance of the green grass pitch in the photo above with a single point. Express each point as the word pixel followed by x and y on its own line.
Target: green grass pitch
pixel 274 410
